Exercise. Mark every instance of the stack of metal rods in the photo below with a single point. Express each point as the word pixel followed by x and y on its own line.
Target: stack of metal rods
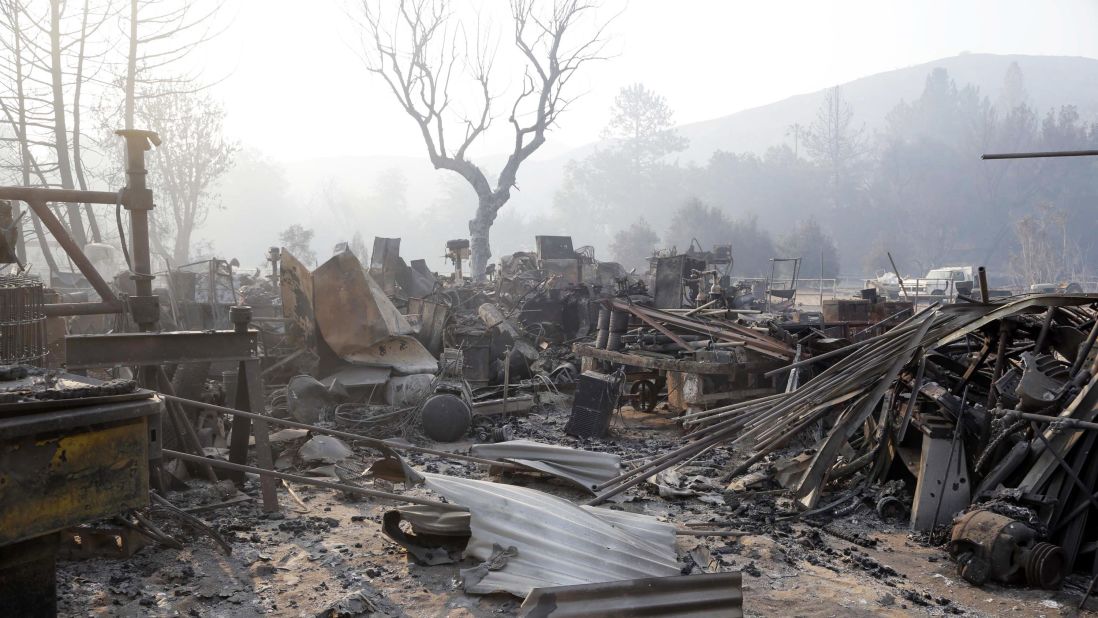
pixel 850 391
pixel 771 421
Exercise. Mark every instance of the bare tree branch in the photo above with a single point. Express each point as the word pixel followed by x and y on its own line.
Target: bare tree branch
pixel 416 51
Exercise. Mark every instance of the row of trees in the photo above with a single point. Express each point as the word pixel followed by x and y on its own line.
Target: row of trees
pixel 634 171
pixel 73 72
pixel 917 187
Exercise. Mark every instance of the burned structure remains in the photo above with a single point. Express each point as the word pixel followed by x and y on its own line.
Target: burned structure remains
pixel 564 438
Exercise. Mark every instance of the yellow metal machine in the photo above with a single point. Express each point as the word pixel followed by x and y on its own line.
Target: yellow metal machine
pixel 64 462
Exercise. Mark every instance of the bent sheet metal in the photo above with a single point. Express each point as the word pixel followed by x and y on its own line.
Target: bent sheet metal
pixel 529 539
pixel 586 469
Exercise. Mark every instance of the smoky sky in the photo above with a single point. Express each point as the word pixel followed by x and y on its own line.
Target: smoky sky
pixel 295 87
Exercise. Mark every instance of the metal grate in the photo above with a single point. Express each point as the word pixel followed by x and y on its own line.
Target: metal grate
pixel 22 321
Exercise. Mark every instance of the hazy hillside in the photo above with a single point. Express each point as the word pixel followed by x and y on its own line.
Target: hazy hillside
pixel 1051 81
pixel 337 196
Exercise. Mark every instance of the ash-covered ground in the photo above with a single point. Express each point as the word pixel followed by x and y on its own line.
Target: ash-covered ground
pixel 332 559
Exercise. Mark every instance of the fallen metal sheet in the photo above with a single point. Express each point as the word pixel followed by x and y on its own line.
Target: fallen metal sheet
pixel 717 595
pixel 584 468
pixel 548 541
pixel 1026 304
pixel 360 323
pixel 357 381
pixel 404 355
pixel 427 519
pixel 437 537
pixel 296 290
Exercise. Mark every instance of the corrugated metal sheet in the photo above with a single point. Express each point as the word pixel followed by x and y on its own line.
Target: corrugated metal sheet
pixel 708 595
pixel 557 543
pixel 584 468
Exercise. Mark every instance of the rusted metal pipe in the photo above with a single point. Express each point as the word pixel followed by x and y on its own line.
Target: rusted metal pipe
pixel 138 199
pixel 985 296
pixel 39 195
pixel 1084 351
pixel 217 463
pixel 378 443
pixel 1040 155
pixel 100 308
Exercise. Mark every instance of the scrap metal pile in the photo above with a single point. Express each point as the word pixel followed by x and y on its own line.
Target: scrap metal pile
pixel 975 411
pixel 974 421
pixel 985 411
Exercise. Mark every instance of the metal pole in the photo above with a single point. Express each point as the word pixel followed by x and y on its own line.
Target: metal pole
pixel 985 296
pixel 375 442
pixel 896 271
pixel 305 480
pixel 1040 155
pixel 139 201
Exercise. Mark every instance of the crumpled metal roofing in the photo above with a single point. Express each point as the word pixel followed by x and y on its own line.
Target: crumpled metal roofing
pixel 584 468
pixel 557 543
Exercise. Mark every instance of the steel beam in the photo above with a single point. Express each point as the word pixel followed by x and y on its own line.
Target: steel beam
pixel 83 351
pixel 39 195
pixel 63 309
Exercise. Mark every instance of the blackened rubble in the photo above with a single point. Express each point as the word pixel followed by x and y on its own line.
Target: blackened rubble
pixel 756 437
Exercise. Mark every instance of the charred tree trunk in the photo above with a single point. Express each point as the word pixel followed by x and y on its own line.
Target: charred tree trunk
pixel 77 162
pixel 480 227
pixel 25 158
pixel 181 252
pixel 60 130
pixel 420 83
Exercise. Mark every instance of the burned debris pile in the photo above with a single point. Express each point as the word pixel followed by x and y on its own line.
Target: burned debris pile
pixel 565 430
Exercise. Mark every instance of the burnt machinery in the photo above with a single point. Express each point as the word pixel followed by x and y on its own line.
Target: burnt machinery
pixel 88 455
pixel 137 199
pixel 78 458
pixel 456 251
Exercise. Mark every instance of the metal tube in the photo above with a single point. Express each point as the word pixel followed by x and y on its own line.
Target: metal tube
pixel 139 201
pixel 31 195
pixel 217 463
pixel 1040 155
pixel 344 434
pixel 985 296
pixel 1081 355
pixel 1042 337
pixel 896 271
pixel 1062 421
pixel 58 309
pixel 1005 328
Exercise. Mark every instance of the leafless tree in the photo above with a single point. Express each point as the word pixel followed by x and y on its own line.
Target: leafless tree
pixel 14 107
pixel 192 156
pixel 836 142
pixel 160 34
pixel 55 49
pixel 421 51
pixel 1046 251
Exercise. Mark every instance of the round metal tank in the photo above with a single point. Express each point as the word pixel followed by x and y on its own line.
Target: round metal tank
pixel 445 418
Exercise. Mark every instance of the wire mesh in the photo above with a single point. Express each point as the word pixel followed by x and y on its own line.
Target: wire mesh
pixel 22 321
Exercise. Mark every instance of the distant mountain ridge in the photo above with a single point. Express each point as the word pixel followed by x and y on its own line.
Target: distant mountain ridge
pixel 1051 81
